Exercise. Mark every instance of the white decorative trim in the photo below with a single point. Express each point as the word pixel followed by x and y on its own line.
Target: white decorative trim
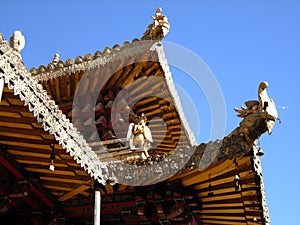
pixel 258 169
pixel 172 89
pixel 17 77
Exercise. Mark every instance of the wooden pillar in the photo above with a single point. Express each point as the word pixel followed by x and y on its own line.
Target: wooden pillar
pixel 97 204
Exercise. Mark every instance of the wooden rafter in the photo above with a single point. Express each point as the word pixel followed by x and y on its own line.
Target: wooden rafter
pixel 74 192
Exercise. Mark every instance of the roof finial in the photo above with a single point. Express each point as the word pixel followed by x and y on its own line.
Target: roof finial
pixel 55 59
pixel 17 41
pixel 159 28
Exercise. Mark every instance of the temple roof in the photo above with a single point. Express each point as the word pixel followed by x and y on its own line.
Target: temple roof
pixel 44 113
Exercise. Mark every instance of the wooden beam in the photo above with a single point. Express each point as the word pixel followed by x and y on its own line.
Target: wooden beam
pixel 27 114
pixel 16 125
pixel 223 205
pixel 9 114
pixel 15 101
pixel 68 87
pixel 221 222
pixel 47 171
pixel 216 170
pixel 22 131
pixel 57 88
pixel 213 198
pixel 3 102
pixel 28 145
pixel 65 180
pixel 218 211
pixel 38 142
pixel 109 188
pixel 46 86
pixel 17 135
pixel 41 162
pixel 55 187
pixel 73 193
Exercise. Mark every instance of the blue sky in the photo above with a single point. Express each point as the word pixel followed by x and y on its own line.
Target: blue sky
pixel 242 42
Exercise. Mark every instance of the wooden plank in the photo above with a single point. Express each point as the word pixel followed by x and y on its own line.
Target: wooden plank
pixel 224 180
pixel 113 141
pixel 19 119
pixel 146 87
pixel 216 211
pixel 115 69
pixel 15 102
pixel 210 199
pixel 75 80
pixel 46 86
pixel 97 75
pixel 73 164
pixel 57 88
pixel 16 125
pixel 18 135
pixel 65 180
pixel 227 205
pixel 124 78
pixel 7 90
pixel 26 153
pixel 27 114
pixel 112 155
pixel 9 114
pixel 15 109
pixel 37 125
pixel 68 87
pixel 181 175
pixel 39 170
pixel 218 191
pixel 214 171
pixel 3 102
pixel 39 143
pixel 19 149
pixel 35 132
pixel 47 136
pixel 58 187
pixel 137 69
pixel 87 79
pixel 73 193
pixel 42 163
pixel 81 172
pixel 221 222
pixel 86 178
pixel 27 145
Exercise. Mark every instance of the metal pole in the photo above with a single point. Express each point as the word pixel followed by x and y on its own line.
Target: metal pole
pixel 97 204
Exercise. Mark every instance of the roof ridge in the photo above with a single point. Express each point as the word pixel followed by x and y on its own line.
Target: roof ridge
pixel 156 31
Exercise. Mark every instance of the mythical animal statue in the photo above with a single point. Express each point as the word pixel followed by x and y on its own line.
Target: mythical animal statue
pixel 265 105
pixel 268 105
pixel 258 117
pixel 139 135
pixel 159 28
